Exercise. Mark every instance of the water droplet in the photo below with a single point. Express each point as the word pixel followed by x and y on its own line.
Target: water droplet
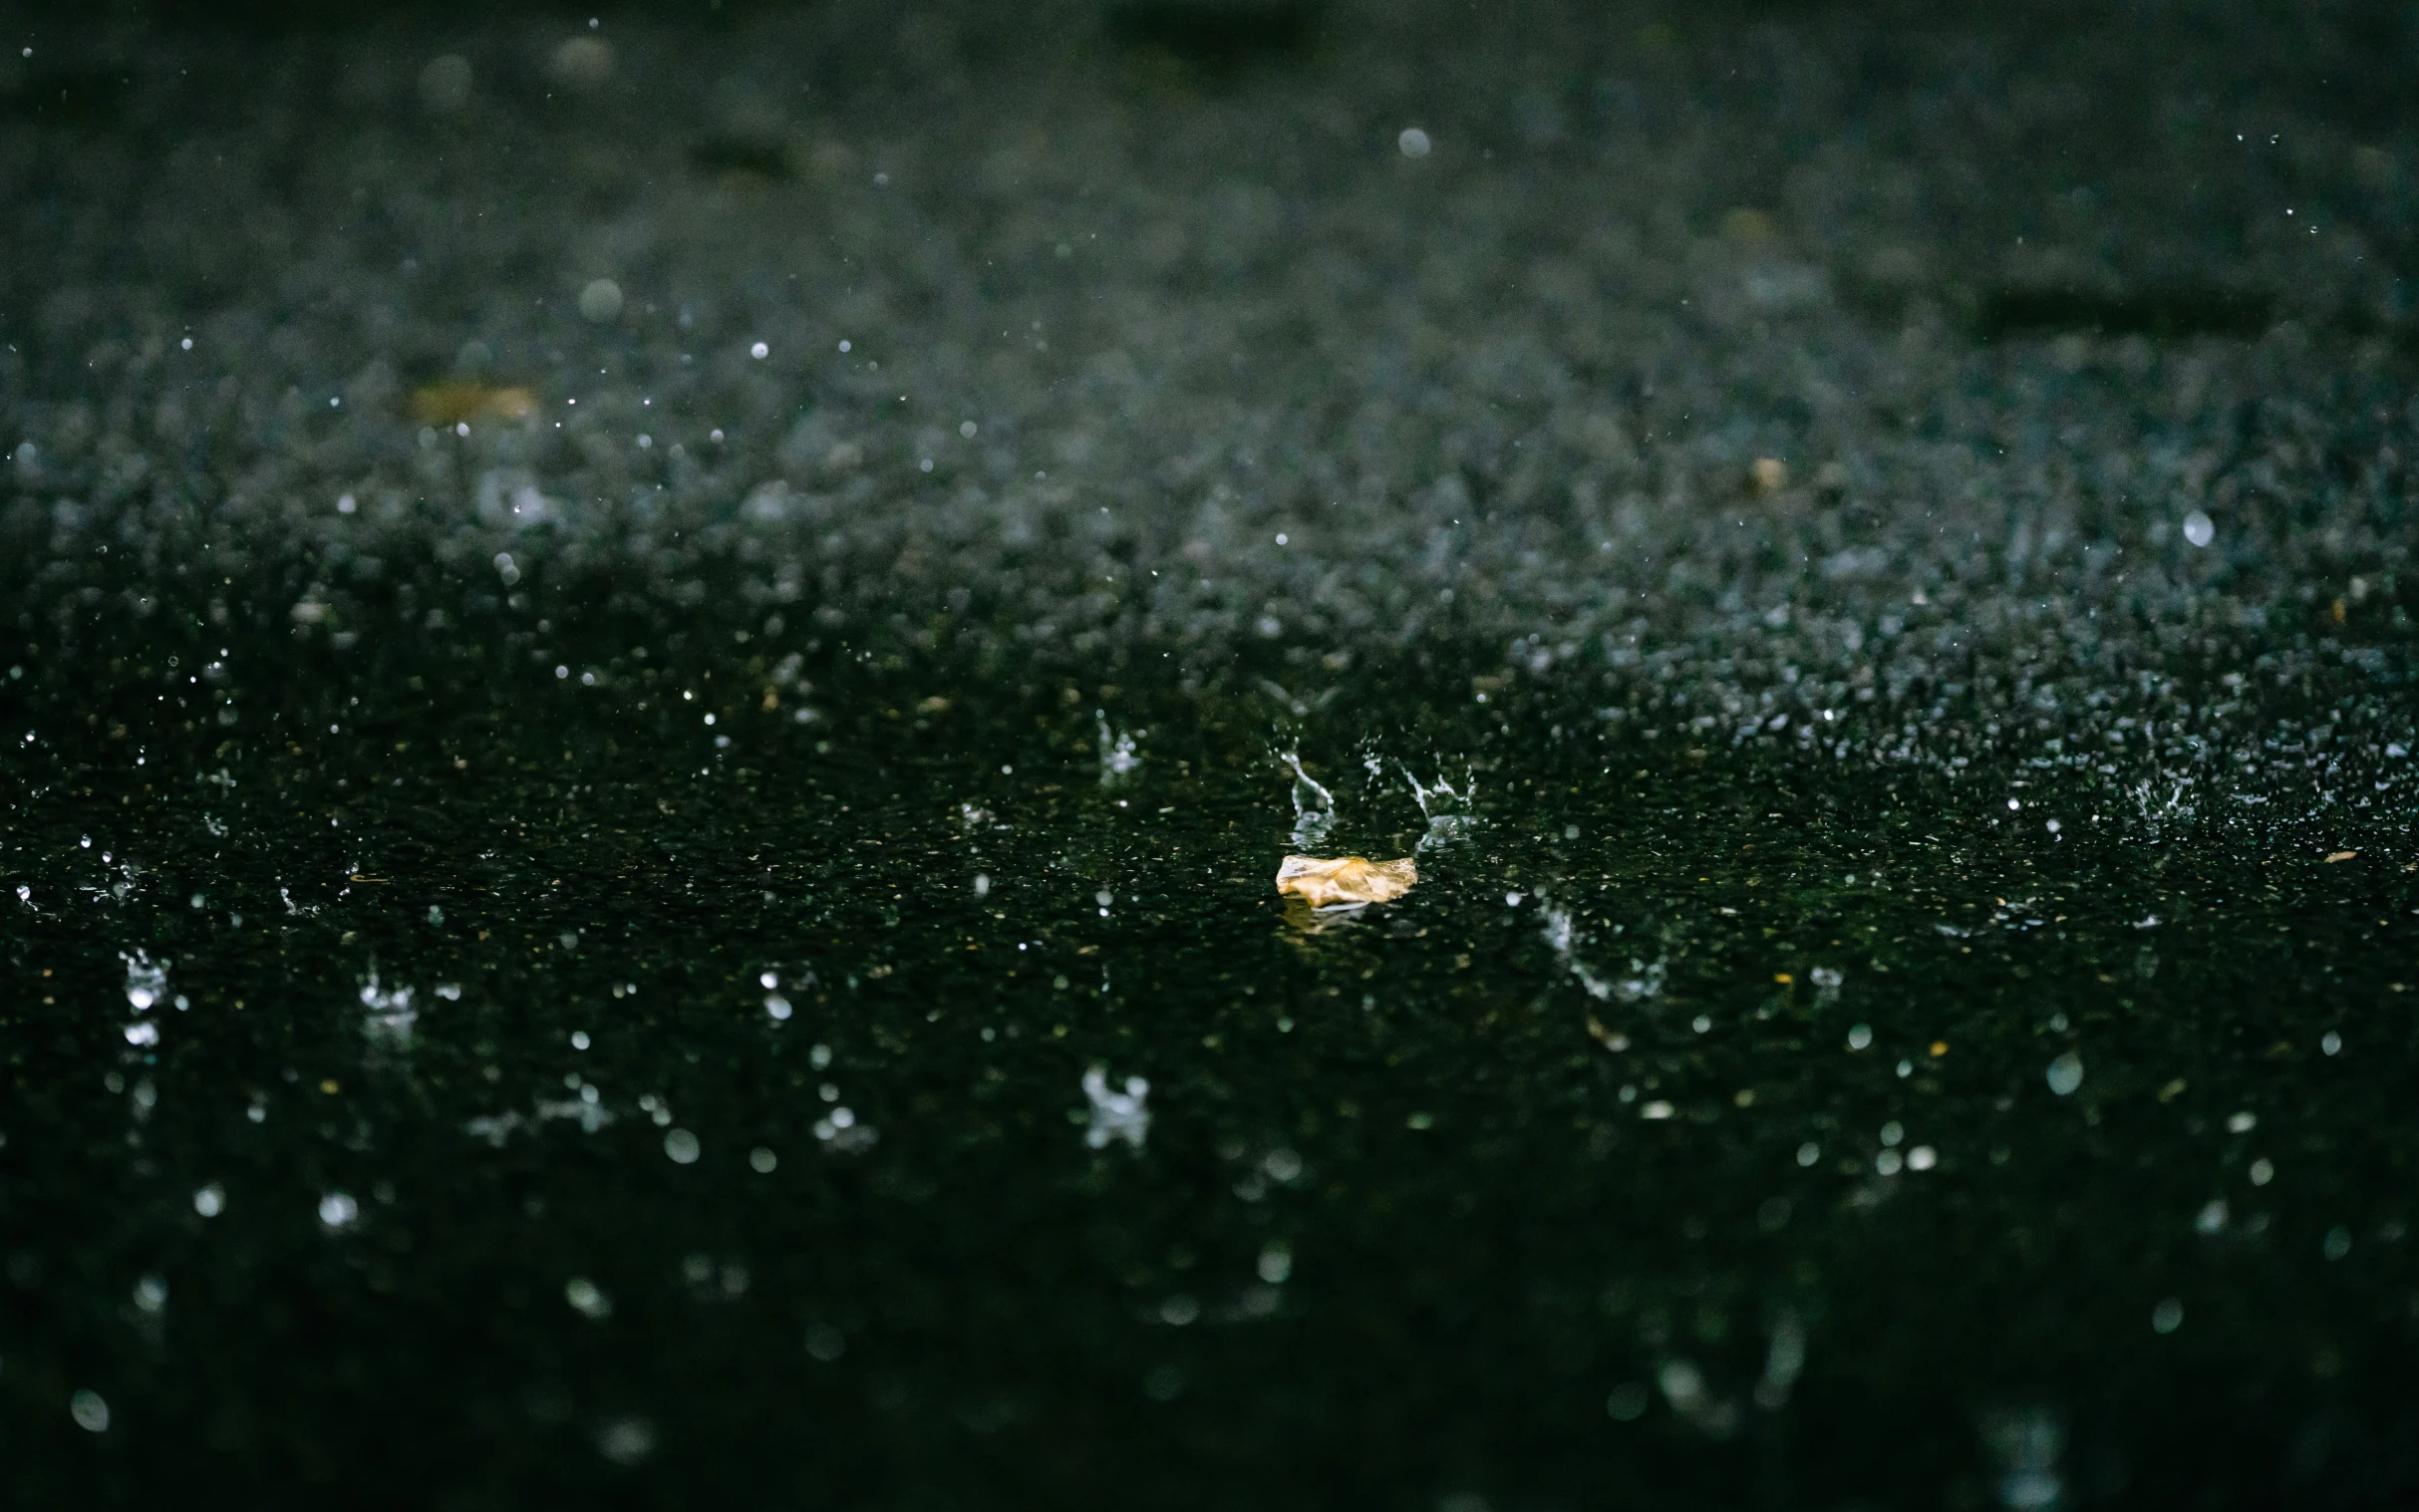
pixel 90 1413
pixel 601 301
pixel 626 1440
pixel 586 1299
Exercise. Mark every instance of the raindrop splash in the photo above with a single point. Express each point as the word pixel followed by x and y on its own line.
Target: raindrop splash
pixel 1314 805
pixel 146 981
pixel 1444 806
pixel 1117 1115
pixel 1117 756
pixel 387 1015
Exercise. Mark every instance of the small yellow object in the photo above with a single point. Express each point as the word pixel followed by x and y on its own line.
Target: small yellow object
pixel 452 404
pixel 1939 1046
pixel 2342 855
pixel 1771 475
pixel 1350 879
pixel 1784 979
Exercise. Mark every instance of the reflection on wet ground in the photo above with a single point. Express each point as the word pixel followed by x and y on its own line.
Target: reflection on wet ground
pixel 636 1066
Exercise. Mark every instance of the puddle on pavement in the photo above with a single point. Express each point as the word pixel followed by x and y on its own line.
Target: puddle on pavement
pixel 630 1068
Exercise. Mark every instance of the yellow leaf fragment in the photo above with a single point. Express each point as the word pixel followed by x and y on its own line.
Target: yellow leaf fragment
pixel 452 404
pixel 1348 879
pixel 2342 855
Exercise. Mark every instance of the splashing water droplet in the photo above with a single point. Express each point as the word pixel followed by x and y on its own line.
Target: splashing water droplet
pixel 2066 1073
